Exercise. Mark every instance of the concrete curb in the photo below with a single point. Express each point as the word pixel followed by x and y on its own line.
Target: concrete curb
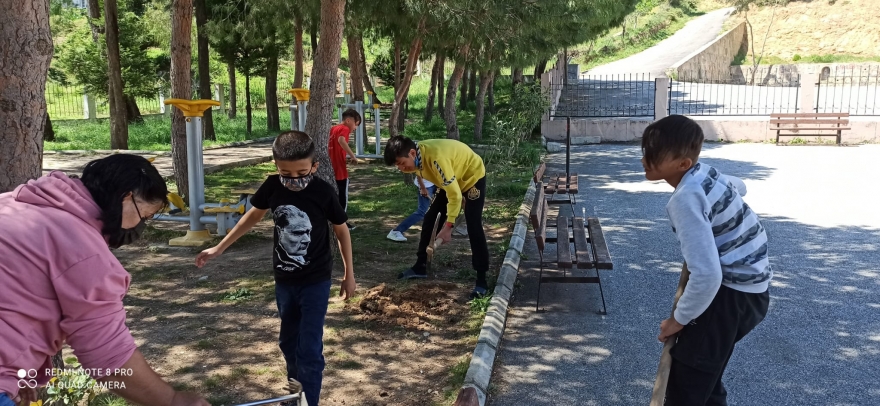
pixel 157 153
pixel 480 370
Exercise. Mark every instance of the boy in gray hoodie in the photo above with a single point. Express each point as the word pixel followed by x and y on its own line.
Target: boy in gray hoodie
pixel 725 248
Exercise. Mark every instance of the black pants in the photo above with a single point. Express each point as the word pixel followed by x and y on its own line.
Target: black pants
pixel 704 347
pixel 473 214
pixel 342 187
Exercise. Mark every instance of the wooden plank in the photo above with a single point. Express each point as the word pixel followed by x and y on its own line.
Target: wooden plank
pixel 582 251
pixel 801 115
pixel 573 184
pixel 551 186
pixel 539 173
pixel 600 248
pixel 569 279
pixel 563 247
pixel 809 128
pixel 842 121
pixel 538 217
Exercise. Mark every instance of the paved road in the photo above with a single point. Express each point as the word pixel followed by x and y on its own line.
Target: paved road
pixel 820 344
pixel 655 60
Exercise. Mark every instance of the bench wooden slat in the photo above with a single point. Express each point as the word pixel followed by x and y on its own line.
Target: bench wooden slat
pixel 799 115
pixel 603 256
pixel 570 279
pixel 842 121
pixel 539 173
pixel 573 184
pixel 551 186
pixel 809 128
pixel 538 217
pixel 563 247
pixel 582 251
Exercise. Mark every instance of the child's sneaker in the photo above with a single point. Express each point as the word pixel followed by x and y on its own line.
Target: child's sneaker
pixel 351 227
pixel 396 236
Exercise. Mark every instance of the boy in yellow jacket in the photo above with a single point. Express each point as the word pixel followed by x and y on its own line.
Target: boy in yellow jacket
pixel 459 174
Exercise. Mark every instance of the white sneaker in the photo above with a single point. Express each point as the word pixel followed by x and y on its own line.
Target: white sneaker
pixel 396 236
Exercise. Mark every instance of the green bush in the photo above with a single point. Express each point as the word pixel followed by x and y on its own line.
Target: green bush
pixel 514 124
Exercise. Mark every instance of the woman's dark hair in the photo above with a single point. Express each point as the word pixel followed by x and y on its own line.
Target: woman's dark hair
pixel 398 146
pixel 672 137
pixel 110 179
pixel 293 146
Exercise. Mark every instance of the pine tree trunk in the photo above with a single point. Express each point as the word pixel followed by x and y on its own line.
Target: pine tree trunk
pixel 429 106
pixel 181 87
pixel 204 68
pixel 365 74
pixel 491 91
pixel 485 80
pixel 451 89
pixel 48 131
pixel 441 80
pixel 354 63
pixel 395 125
pixel 462 100
pixel 26 44
pixel 116 97
pixel 132 111
pixel 298 52
pixel 248 109
pixel 313 34
pixel 94 15
pixel 323 88
pixel 273 120
pixel 230 70
pixel 540 67
pixel 472 86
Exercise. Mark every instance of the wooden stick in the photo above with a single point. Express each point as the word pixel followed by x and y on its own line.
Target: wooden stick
pixel 659 394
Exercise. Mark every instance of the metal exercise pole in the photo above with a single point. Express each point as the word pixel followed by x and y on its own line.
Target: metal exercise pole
pixel 293 115
pixel 301 109
pixel 376 115
pixel 196 172
pixel 567 145
pixel 359 132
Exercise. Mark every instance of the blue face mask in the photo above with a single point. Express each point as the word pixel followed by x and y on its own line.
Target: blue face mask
pixel 296 183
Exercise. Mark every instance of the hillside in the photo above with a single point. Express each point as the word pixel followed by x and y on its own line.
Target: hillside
pixel 831 30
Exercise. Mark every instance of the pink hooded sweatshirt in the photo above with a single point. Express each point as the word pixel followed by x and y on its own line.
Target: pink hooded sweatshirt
pixel 59 282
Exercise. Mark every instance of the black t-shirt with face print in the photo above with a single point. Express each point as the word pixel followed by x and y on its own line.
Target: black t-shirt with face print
pixel 301 250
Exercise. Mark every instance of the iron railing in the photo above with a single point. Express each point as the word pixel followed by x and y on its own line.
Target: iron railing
pixel 852 90
pixel 729 97
pixel 623 95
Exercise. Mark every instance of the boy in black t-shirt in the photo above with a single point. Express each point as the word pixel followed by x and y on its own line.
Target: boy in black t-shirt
pixel 301 205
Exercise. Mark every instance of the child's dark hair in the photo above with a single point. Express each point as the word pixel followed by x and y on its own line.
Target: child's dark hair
pixel 110 179
pixel 672 137
pixel 352 113
pixel 398 146
pixel 293 146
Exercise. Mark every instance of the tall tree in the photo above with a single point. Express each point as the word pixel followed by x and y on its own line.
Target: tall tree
pixel 472 86
pixel 463 98
pixel 233 100
pixel 181 87
pixel 323 88
pixel 118 111
pixel 401 92
pixel 298 50
pixel 485 80
pixel 441 79
pixel 204 67
pixel 365 74
pixel 451 89
pixel 435 72
pixel 26 44
pixel 354 64
pixel 94 16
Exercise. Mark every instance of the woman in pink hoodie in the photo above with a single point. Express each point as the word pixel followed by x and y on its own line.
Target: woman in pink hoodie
pixel 59 282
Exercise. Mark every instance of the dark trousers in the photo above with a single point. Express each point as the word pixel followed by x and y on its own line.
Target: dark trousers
pixel 704 347
pixel 302 310
pixel 342 187
pixel 473 215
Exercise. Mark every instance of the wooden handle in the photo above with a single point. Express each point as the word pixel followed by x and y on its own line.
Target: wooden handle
pixel 662 378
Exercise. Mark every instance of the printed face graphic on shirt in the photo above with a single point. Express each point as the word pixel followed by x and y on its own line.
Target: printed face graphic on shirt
pixel 294 235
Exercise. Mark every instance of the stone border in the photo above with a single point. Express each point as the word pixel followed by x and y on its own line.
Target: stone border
pixel 157 153
pixel 480 370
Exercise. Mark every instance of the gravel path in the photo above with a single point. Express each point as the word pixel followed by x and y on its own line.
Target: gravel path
pixel 820 343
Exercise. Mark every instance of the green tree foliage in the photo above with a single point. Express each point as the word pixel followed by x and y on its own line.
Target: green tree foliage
pixel 83 62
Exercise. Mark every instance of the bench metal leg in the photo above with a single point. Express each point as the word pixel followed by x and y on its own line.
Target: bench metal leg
pixel 601 294
pixel 540 276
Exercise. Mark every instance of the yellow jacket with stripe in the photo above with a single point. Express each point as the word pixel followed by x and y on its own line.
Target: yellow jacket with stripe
pixel 453 166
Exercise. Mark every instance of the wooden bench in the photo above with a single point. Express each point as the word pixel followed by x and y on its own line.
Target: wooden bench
pixel 562 188
pixel 815 124
pixel 590 249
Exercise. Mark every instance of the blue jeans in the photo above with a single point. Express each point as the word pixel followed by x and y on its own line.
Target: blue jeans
pixel 5 400
pixel 302 310
pixel 419 214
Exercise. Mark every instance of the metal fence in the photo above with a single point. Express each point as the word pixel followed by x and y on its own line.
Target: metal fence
pixel 728 98
pixel 624 95
pixel 850 90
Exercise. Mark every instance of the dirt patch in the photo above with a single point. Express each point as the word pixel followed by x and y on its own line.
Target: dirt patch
pixel 423 306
